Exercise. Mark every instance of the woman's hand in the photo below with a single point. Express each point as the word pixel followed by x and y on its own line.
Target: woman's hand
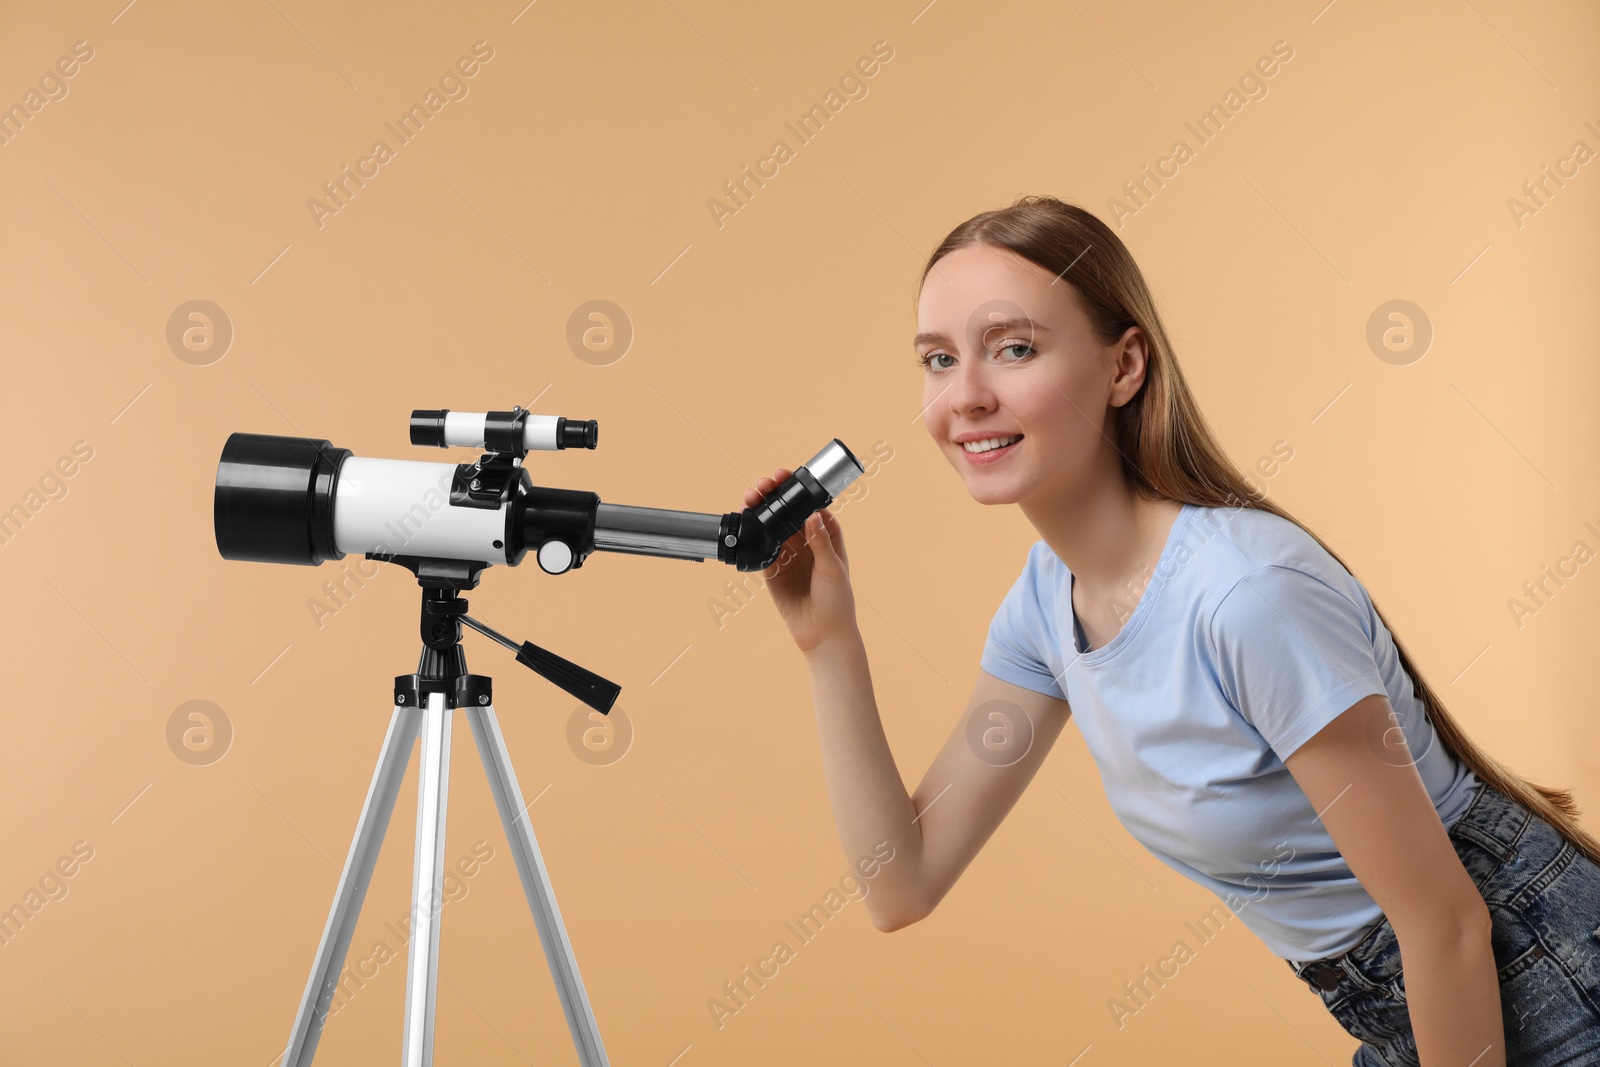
pixel 810 579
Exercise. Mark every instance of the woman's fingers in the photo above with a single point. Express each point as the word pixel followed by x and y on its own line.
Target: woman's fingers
pixel 752 497
pixel 765 486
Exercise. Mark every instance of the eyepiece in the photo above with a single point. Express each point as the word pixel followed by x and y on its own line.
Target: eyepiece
pixel 754 543
pixel 572 433
pixel 835 467
pixel 427 427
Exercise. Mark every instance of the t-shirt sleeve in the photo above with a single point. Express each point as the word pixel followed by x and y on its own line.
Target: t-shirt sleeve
pixel 1293 653
pixel 1017 633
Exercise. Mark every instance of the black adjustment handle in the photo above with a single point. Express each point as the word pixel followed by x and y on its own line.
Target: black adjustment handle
pixel 584 684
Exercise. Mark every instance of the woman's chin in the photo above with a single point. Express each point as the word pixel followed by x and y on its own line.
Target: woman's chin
pixel 994 491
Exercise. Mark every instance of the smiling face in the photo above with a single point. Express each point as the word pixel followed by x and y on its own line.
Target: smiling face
pixel 1009 352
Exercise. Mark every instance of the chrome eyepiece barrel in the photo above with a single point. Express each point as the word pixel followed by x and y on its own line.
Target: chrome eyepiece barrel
pixel 656 531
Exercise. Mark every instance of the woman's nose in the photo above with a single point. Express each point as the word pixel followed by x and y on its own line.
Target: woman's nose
pixel 969 391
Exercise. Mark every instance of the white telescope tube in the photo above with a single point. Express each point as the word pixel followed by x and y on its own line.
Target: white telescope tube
pixel 401 506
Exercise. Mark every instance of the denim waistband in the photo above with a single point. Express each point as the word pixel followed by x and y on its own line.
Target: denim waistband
pixel 1492 821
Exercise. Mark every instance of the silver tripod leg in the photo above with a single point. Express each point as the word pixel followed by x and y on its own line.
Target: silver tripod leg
pixel 536 884
pixel 427 884
pixel 352 890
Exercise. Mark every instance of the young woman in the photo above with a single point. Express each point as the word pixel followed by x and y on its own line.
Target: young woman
pixel 1255 723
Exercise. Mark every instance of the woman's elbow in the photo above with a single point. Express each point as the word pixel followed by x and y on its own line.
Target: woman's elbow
pixel 888 921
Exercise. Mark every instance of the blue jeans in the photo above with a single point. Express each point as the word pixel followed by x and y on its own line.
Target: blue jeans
pixel 1544 897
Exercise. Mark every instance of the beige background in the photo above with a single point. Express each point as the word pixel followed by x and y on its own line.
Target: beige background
pixel 178 167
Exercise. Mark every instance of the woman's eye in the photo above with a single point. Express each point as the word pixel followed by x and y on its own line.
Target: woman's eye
pixel 927 361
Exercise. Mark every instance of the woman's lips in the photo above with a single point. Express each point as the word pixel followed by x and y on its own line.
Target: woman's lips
pixel 994 455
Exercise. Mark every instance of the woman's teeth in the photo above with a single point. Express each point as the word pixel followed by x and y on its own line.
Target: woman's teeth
pixel 990 443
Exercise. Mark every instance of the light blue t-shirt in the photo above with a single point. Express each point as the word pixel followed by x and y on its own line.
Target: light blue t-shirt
pixel 1247 640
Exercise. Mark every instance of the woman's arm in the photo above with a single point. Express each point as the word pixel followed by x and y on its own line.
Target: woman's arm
pixel 1453 994
pixel 1389 832
pixel 961 800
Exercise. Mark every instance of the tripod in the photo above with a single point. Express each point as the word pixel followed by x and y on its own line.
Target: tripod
pixel 422 705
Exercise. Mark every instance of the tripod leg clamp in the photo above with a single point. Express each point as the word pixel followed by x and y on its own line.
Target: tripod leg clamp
pixel 466 691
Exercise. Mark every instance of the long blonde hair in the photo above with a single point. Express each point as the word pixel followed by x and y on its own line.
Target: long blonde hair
pixel 1168 450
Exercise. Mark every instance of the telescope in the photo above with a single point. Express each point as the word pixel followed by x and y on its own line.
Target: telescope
pixel 302 501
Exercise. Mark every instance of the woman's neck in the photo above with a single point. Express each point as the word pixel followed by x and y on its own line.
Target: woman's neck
pixel 1106 537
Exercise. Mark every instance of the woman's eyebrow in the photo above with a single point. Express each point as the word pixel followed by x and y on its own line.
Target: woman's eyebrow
pixel 999 324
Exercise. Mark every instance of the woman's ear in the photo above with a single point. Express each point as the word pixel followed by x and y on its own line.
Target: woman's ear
pixel 1129 360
